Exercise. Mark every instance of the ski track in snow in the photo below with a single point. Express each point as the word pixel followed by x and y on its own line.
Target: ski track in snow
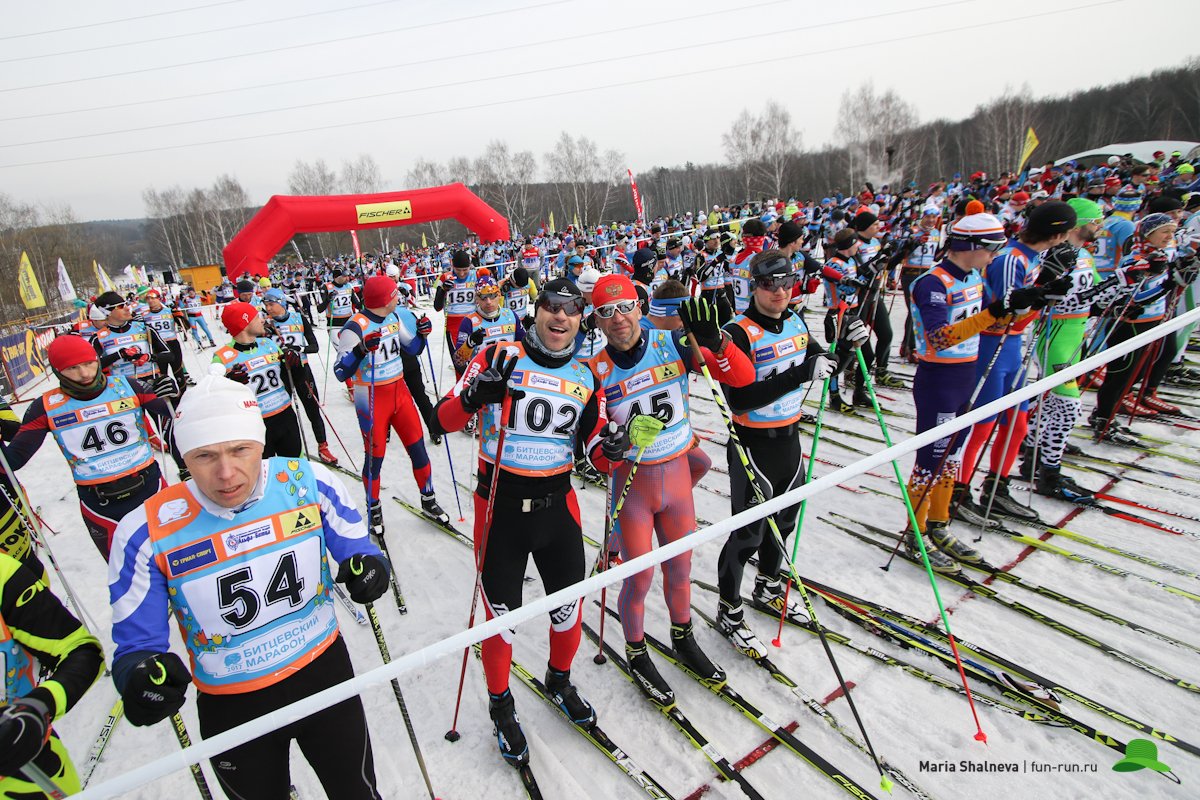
pixel 907 719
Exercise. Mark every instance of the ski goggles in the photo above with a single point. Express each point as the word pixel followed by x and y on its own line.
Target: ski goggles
pixel 571 306
pixel 607 310
pixel 993 244
pixel 774 282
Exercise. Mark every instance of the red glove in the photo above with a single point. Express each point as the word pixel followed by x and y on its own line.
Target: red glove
pixel 370 342
pixel 291 357
pixel 448 281
pixel 134 354
pixel 424 326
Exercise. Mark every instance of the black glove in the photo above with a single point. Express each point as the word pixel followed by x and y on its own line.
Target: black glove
pixel 1023 299
pixel 476 338
pixel 365 576
pixel 155 689
pixel 853 336
pixel 24 730
pixel 369 344
pixel 1133 310
pixel 1057 261
pixel 703 271
pixel 291 357
pixel 1156 263
pixel 491 385
pixel 239 373
pixel 527 321
pixel 1056 290
pixel 855 281
pixel 165 387
pixel 614 441
pixel 700 321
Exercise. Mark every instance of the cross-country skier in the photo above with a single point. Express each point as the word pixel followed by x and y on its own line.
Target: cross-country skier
pixel 553 403
pixel 948 315
pixel 646 372
pixel 296 334
pixel 50 660
pixel 99 424
pixel 767 416
pixel 1014 267
pixel 369 349
pixel 456 296
pixel 253 359
pixel 161 319
pixel 238 555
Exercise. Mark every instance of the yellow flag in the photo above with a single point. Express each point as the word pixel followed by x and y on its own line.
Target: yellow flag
pixel 104 282
pixel 552 222
pixel 576 221
pixel 423 242
pixel 1031 143
pixel 402 247
pixel 31 293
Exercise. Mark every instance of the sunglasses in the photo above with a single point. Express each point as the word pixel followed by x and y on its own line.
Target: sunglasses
pixel 776 281
pixel 607 310
pixel 571 306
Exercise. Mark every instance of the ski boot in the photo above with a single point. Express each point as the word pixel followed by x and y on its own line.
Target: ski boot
pixel 375 517
pixel 1052 483
pixel 507 726
pixel 1152 401
pixel 187 380
pixel 770 592
pixel 688 651
pixel 325 455
pixel 431 509
pixel 964 508
pixel 646 676
pixel 939 533
pixel 941 563
pixel 1002 501
pixel 566 696
pixel 1132 406
pixel 889 381
pixel 732 625
pixel 842 407
pixel 585 470
pixel 1112 432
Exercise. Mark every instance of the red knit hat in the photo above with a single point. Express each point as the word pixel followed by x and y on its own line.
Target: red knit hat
pixel 378 291
pixel 613 288
pixel 237 316
pixel 68 351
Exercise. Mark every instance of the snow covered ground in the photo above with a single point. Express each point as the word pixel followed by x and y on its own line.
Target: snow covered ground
pixel 909 721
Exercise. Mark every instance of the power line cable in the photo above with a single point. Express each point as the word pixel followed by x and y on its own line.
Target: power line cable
pixel 757 35
pixel 358 37
pixel 572 91
pixel 227 29
pixel 624 29
pixel 116 21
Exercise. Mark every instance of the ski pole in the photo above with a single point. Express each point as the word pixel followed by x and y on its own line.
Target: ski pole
pixel 368 477
pixel 185 741
pixel 114 716
pixel 445 440
pixel 912 520
pixel 38 777
pixel 385 654
pixel 753 480
pixel 20 504
pixel 453 735
pixel 329 422
pixel 648 427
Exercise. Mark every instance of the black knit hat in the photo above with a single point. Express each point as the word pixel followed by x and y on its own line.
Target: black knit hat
pixel 788 233
pixel 863 220
pixel 1050 219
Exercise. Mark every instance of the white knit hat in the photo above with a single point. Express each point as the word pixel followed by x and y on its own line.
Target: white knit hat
pixel 217 410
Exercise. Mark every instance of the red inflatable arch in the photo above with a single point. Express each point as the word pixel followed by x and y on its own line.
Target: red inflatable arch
pixel 283 217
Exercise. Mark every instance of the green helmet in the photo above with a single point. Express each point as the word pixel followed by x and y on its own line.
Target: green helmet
pixel 1085 211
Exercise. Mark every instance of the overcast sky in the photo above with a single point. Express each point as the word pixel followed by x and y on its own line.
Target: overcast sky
pixel 99 101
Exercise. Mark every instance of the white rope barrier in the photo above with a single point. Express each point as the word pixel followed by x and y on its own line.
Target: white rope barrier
pixel 207 748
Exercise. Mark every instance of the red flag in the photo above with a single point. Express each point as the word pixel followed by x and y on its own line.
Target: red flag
pixel 637 198
pixel 357 249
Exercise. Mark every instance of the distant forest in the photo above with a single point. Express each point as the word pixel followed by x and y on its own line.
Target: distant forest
pixel 764 156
